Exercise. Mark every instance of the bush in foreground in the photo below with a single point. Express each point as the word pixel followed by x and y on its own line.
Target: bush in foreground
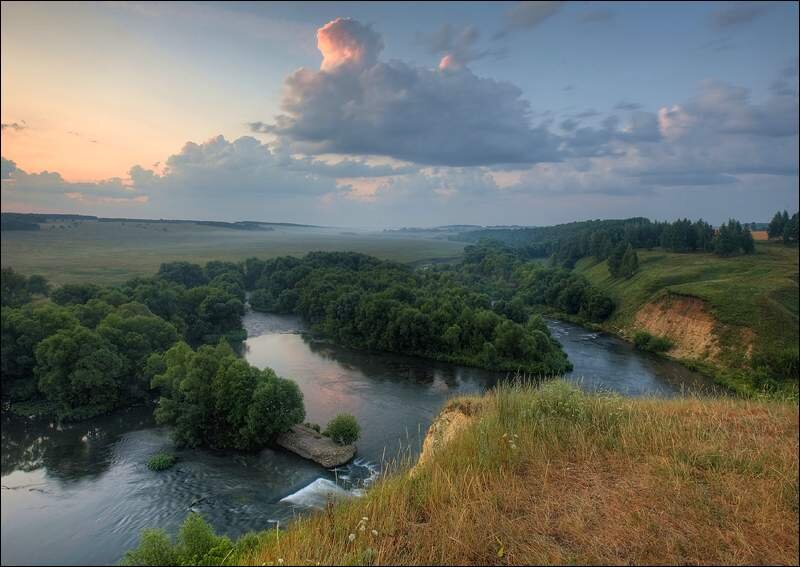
pixel 196 544
pixel 343 429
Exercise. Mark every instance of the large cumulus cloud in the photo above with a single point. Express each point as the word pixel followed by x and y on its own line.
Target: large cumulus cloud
pixel 357 104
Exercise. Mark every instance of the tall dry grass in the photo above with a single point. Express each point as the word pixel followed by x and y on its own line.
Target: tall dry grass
pixel 553 475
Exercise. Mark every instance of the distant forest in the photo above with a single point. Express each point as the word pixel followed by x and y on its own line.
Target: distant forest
pixel 569 242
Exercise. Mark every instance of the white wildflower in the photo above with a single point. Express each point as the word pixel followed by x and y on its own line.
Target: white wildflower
pixel 375 532
pixel 352 537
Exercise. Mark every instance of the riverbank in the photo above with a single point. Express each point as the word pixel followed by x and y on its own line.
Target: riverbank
pixel 65 478
pixel 558 476
pixel 722 314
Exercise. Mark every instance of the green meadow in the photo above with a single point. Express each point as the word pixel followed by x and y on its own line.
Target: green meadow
pixel 758 291
pixel 112 252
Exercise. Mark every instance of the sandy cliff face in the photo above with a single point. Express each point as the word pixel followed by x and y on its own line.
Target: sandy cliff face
pixel 452 419
pixel 689 323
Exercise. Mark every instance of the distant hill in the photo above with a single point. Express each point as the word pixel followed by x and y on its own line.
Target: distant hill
pixel 31 221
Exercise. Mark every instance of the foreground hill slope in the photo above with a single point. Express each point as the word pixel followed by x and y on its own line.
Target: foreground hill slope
pixel 527 476
pixel 717 311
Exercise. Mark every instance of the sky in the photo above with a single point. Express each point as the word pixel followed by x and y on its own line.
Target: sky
pixel 401 113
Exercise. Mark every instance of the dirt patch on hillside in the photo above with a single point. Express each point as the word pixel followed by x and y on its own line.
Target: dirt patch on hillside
pixel 686 320
pixel 453 418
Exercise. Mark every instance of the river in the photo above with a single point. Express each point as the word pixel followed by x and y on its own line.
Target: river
pixel 80 493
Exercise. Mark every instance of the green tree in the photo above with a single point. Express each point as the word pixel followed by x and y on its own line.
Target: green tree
pixel 747 243
pixel 791 230
pixel 74 294
pixel 38 285
pixel 22 330
pixel 80 371
pixel 183 273
pixel 213 398
pixel 136 336
pixel 777 224
pixel 630 263
pixel 13 288
pixel 615 259
pixel 343 429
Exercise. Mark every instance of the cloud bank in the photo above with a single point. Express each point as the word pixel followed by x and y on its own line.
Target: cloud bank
pixel 365 140
pixel 357 104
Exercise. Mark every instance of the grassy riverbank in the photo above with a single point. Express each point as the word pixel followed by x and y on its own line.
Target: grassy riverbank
pixel 554 476
pixel 748 305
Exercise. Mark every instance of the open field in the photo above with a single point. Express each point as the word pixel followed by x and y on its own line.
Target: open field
pixel 759 291
pixel 556 476
pixel 111 252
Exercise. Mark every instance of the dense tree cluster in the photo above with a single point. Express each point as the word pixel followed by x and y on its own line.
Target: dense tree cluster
pixel 784 227
pixel 517 284
pixel 732 239
pixel 568 243
pixel 213 398
pixel 18 290
pixel 684 235
pixel 85 351
pixel 366 303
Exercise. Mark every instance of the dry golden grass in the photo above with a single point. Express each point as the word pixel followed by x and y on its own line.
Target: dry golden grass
pixel 557 476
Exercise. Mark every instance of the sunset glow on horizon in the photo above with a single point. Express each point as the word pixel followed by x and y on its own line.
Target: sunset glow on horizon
pixel 426 117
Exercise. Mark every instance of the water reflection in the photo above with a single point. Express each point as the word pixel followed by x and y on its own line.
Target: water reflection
pixel 81 493
pixel 69 451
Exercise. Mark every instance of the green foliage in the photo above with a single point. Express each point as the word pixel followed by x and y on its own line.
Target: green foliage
pixel 196 544
pixel 521 285
pixel 161 462
pixel 126 325
pixel 630 263
pixel 183 273
pixel 74 294
pixel 213 398
pixel 38 285
pixel 155 548
pixel 80 371
pixel 643 340
pixel 343 429
pixel 23 329
pixel 778 224
pixel 732 238
pixel 363 302
pixel 16 289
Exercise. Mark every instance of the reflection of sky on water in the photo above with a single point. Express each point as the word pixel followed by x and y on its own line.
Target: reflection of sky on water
pixel 82 492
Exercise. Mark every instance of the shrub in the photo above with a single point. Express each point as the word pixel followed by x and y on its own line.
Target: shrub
pixel 155 548
pixel 161 462
pixel 196 545
pixel 343 429
pixel 647 342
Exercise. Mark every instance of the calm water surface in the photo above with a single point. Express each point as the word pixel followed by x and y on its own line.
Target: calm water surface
pixel 80 493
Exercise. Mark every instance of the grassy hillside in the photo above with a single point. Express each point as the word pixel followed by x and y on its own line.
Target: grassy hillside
pixel 555 476
pixel 757 293
pixel 78 251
